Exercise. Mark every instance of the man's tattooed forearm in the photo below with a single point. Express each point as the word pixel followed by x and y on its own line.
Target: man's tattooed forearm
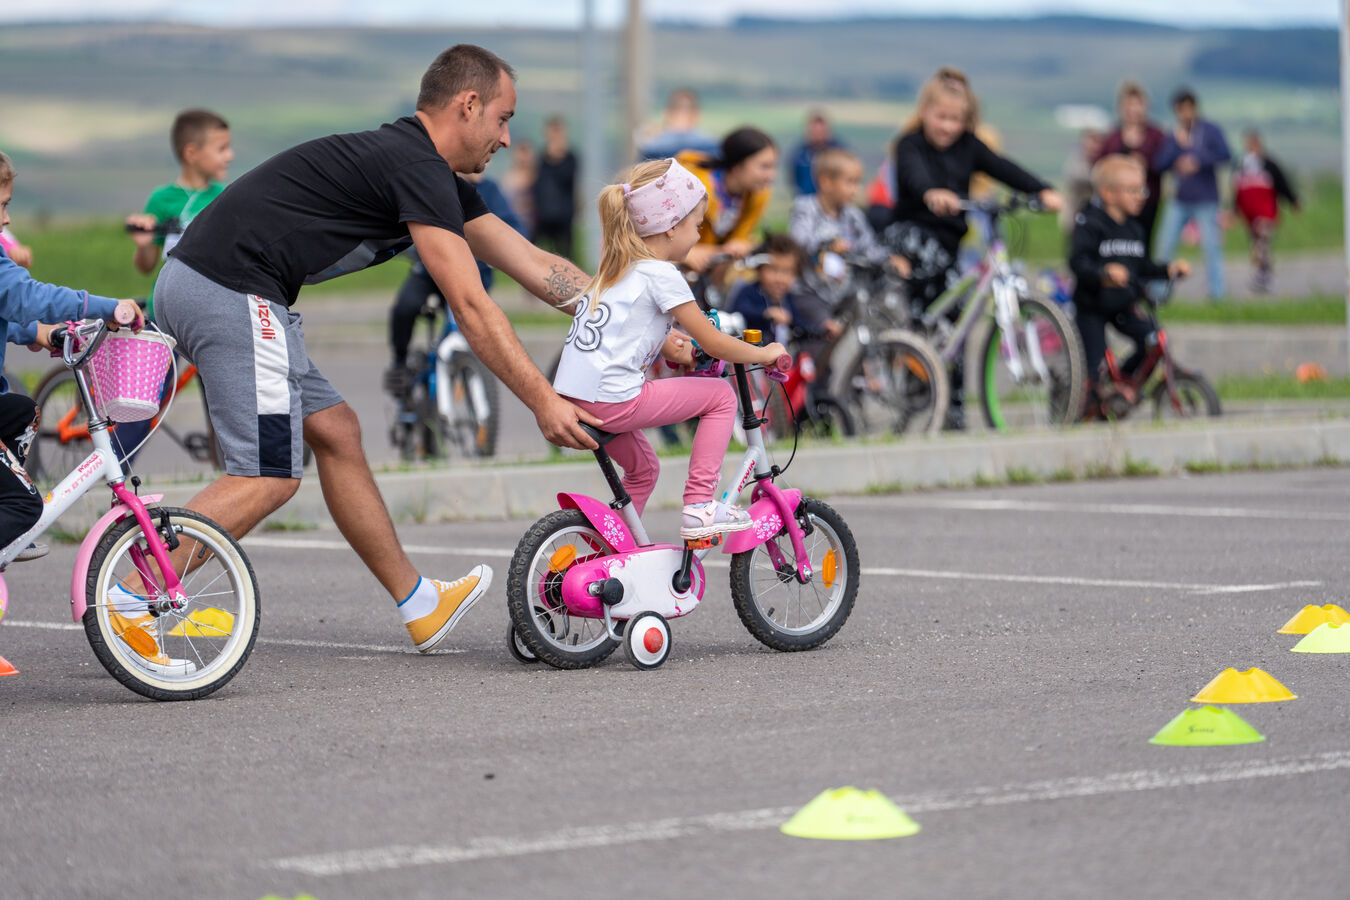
pixel 564 282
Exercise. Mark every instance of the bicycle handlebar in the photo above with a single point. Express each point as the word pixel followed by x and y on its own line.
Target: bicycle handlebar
pixel 997 208
pixel 162 229
pixel 778 371
pixel 89 333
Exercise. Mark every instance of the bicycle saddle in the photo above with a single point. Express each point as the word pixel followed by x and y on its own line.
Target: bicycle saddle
pixel 601 437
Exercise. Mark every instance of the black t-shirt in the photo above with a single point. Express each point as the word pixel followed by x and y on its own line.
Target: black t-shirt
pixel 328 207
pixel 920 167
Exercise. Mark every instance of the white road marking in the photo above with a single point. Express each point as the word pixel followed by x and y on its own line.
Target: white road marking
pixel 570 839
pixel 940 574
pixel 280 642
pixel 1115 509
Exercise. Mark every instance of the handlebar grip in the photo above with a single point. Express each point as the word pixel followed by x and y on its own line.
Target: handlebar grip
pixel 123 315
pixel 781 365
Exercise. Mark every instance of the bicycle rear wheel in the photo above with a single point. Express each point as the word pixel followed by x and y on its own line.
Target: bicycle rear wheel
pixel 62 440
pixel 181 654
pixel 896 384
pixel 1053 397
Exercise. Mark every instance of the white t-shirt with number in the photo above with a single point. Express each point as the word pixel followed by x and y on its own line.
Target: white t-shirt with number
pixel 608 350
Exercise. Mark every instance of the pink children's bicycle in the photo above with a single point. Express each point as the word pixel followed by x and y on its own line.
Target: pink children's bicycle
pixel 586 579
pixel 167 597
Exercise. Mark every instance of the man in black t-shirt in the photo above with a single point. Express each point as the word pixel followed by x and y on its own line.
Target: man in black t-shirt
pixel 325 208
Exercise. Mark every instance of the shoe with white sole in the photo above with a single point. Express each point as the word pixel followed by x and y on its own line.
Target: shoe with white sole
pixel 456 599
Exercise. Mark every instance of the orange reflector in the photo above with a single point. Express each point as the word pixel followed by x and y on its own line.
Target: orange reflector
pixel 138 639
pixel 916 368
pixel 562 558
pixel 829 568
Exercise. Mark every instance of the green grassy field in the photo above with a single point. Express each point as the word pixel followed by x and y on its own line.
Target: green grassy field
pixel 1282 387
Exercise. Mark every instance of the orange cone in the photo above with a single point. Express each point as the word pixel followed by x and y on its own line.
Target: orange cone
pixel 6 668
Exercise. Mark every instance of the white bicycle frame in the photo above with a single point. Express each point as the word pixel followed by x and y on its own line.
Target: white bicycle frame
pixel 101 464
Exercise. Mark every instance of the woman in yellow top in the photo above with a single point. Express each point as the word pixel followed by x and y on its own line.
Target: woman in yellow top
pixel 739 182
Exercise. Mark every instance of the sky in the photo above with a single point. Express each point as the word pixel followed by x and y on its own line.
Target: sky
pixel 567 13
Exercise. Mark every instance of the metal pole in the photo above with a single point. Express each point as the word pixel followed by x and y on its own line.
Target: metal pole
pixel 594 167
pixel 637 77
pixel 1345 155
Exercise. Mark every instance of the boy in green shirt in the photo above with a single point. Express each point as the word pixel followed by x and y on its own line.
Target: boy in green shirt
pixel 201 143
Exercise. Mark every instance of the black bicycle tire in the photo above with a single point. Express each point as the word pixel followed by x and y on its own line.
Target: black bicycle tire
pixel 1213 407
pixel 35 465
pixel 1072 402
pixel 742 590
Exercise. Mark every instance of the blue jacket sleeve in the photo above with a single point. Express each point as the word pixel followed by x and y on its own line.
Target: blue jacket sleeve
pixel 1167 154
pixel 21 334
pixel 23 300
pixel 1213 150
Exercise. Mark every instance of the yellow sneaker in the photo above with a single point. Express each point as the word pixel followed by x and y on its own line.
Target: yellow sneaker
pixel 456 598
pixel 141 634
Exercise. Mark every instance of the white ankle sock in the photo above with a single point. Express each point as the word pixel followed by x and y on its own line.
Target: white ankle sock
pixel 422 601
pixel 127 603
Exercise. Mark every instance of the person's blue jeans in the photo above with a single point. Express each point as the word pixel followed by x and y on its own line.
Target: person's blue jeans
pixel 1206 217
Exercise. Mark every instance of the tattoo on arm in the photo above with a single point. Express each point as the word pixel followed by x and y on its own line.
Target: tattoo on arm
pixel 563 282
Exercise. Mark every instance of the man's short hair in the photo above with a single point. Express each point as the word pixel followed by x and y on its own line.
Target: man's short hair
pixel 191 127
pixel 1183 95
pixel 682 98
pixel 464 67
pixel 1108 170
pixel 7 171
pixel 832 162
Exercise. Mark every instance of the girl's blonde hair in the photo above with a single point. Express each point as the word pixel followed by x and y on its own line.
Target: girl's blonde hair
pixel 7 172
pixel 620 243
pixel 946 82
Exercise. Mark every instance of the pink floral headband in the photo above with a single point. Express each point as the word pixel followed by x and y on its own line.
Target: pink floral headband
pixel 660 205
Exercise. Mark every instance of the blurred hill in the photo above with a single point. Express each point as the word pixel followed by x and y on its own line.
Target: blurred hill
pixel 85 108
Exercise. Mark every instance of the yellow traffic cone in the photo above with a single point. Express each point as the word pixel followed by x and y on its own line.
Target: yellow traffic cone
pixel 1309 617
pixel 1251 686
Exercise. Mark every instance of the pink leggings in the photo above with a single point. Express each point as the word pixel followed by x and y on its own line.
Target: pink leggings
pixel 668 401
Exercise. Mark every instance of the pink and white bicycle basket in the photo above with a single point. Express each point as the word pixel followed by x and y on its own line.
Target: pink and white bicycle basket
pixel 126 374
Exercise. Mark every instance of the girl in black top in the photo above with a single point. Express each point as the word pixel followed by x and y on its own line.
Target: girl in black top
pixel 934 162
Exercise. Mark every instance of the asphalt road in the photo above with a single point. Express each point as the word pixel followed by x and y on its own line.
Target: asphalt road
pixel 1010 654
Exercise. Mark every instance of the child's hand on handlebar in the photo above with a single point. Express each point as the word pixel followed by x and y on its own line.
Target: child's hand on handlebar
pixel 1178 268
pixel 43 341
pixel 1115 275
pixel 1051 200
pixel 141 227
pixel 128 312
pixel 942 202
pixel 769 353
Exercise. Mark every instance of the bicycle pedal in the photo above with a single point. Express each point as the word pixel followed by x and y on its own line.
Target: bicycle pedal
pixel 704 543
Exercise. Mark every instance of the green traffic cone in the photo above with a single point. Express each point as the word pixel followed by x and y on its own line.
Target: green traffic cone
pixel 1208 726
pixel 848 814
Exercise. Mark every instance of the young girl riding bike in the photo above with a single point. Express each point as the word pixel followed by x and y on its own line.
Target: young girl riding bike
pixel 623 320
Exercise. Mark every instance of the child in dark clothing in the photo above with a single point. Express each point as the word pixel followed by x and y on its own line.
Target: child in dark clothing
pixel 934 162
pixel 1108 258
pixel 770 303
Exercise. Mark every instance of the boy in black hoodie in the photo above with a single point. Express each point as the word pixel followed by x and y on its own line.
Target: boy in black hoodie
pixel 1108 257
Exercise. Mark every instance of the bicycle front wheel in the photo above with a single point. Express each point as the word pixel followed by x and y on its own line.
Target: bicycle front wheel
pixel 1053 373
pixel 779 610
pixel 897 384
pixel 475 413
pixel 62 440
pixel 181 654
pixel 1195 397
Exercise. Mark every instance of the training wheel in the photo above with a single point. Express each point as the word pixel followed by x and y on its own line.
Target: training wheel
pixel 646 640
pixel 517 646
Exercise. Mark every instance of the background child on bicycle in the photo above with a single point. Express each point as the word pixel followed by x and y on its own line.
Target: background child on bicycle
pixel 25 306
pixel 934 163
pixel 622 322
pixel 1108 256
pixel 201 144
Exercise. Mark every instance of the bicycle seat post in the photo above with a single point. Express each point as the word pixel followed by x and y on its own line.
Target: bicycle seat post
pixel 621 497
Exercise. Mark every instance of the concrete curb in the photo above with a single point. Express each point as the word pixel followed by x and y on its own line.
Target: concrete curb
pixel 494 491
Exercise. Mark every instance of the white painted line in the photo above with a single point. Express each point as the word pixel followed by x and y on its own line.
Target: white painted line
pixel 280 642
pixel 1118 509
pixel 570 839
pixel 941 574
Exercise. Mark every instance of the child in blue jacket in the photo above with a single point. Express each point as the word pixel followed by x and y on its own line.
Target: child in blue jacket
pixel 25 306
